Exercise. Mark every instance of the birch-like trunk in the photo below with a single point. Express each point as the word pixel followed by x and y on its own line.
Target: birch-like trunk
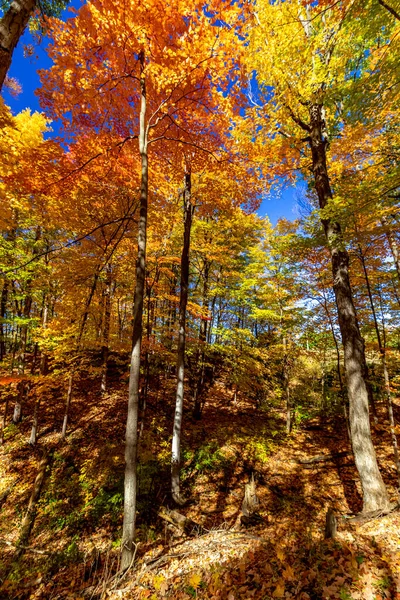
pixel 130 482
pixel 106 330
pixel 375 496
pixel 180 363
pixel 392 244
pixel 67 405
pixel 3 314
pixel 32 439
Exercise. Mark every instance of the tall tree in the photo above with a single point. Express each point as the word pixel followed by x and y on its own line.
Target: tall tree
pixel 302 111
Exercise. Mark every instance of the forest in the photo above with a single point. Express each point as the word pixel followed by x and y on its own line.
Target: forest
pixel 198 401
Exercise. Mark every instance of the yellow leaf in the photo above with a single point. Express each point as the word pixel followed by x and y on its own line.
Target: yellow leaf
pixel 158 581
pixel 279 590
pixel 288 573
pixel 280 554
pixel 195 580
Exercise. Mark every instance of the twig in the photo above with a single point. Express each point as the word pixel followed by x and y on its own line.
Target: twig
pixel 28 548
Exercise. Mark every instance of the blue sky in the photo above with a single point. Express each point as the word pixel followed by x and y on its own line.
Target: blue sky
pixel 24 69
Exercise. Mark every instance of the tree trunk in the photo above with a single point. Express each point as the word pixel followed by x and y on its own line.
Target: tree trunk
pixel 392 244
pixel 286 385
pixel 375 495
pixel 106 330
pixel 87 306
pixel 4 420
pixel 32 439
pixel 3 314
pixel 12 25
pixel 17 415
pixel 44 357
pixel 200 359
pixel 180 363
pixel 382 350
pixel 67 405
pixel 30 514
pixel 24 331
pixel 338 363
pixel 130 482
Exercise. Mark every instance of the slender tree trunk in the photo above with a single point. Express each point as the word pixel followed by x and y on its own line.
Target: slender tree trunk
pixel 180 363
pixel 4 420
pixel 392 244
pixel 382 350
pixel 3 314
pixel 200 359
pixel 24 332
pixel 88 303
pixel 17 415
pixel 286 385
pixel 375 495
pixel 106 330
pixel 32 439
pixel 44 357
pixel 67 406
pixel 130 482
pixel 12 25
pixel 30 514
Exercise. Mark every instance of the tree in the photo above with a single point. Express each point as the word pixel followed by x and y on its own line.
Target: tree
pixel 303 104
pixel 13 23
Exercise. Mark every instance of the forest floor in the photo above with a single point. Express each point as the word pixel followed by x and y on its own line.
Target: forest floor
pixel 73 550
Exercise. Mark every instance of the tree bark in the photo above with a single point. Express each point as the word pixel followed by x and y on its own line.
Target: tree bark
pixel 200 359
pixel 382 350
pixel 17 415
pixel 4 420
pixel 375 495
pixel 32 439
pixel 106 330
pixel 67 405
pixel 87 306
pixel 180 362
pixel 130 482
pixel 30 515
pixel 3 311
pixel 12 26
pixel 392 244
pixel 44 357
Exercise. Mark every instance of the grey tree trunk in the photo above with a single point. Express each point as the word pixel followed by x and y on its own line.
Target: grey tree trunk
pixel 180 362
pixel 106 330
pixel 12 26
pixel 338 369
pixel 67 405
pixel 17 415
pixel 375 496
pixel 3 314
pixel 392 244
pixel 32 439
pixel 389 402
pixel 130 482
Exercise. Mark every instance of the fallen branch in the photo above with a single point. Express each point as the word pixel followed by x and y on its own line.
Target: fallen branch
pixel 186 525
pixel 322 458
pixel 30 514
pixel 26 548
